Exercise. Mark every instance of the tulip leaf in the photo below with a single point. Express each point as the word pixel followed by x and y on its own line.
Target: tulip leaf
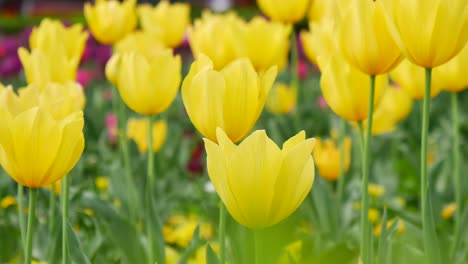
pixel 75 248
pixel 156 229
pixel 431 244
pixel 193 245
pixel 384 250
pixel 9 243
pixel 211 257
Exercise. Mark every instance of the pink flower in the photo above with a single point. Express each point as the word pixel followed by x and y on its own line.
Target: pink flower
pixel 322 103
pixel 302 69
pixel 107 94
pixel 84 77
pixel 111 127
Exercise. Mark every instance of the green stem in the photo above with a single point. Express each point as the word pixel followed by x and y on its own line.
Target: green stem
pixel 150 184
pixel 222 232
pixel 22 222
pixel 257 247
pixel 65 204
pixel 123 143
pixel 51 219
pixel 294 63
pixel 457 180
pixel 341 178
pixel 31 218
pixel 424 141
pixel 365 178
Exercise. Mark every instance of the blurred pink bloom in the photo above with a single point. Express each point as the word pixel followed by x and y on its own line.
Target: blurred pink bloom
pixel 111 127
pixel 303 69
pixel 322 103
pixel 84 77
pixel 107 94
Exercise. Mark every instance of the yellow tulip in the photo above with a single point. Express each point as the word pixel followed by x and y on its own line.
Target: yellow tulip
pixel 365 39
pixel 259 183
pixel 232 98
pixel 282 99
pixel 147 85
pixel 41 67
pixel 37 148
pixel 55 187
pixel 102 183
pixel 217 36
pixel 321 10
pixel 373 215
pixel 111 20
pixel 267 43
pixel 319 41
pixel 292 251
pixel 172 256
pixel 290 11
pixel 168 21
pixel 137 129
pixel 375 190
pixel 449 210
pixel 7 201
pixel 144 42
pixel 400 227
pixel 452 75
pixel 200 255
pixel 411 78
pixel 327 157
pixel 429 33
pixel 346 89
pixel 52 37
pixel 394 106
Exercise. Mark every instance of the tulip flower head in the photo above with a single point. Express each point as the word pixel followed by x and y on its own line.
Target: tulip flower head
pixel 327 157
pixel 232 98
pixel 429 33
pixel 168 21
pixel 137 129
pixel 111 20
pixel 267 43
pixel 282 99
pixel 452 76
pixel 365 39
pixel 144 42
pixel 259 183
pixel 291 11
pixel 321 10
pixel 37 147
pixel 217 36
pixel 319 41
pixel 147 85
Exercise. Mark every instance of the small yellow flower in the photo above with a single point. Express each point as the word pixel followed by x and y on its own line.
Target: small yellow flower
pixel 7 201
pixel 172 256
pixel 357 205
pixel 181 234
pixel 327 157
pixel 88 212
pixel 376 190
pixel 217 36
pixel 282 99
pixel 373 215
pixel 116 202
pixel 400 201
pixel 76 227
pixel 231 98
pixel 167 21
pixel 259 183
pixel 267 43
pixel 147 85
pixel 102 183
pixel 292 250
pixel 111 20
pixel 137 129
pixel 200 255
pixel 449 210
pixel 290 11
pixel 400 227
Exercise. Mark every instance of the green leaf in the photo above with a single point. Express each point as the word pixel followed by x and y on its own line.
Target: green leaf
pixel 431 244
pixel 76 251
pixel 193 245
pixel 157 235
pixel 211 257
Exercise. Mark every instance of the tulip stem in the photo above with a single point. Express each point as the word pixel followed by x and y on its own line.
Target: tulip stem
pixel 457 180
pixel 51 219
pixel 65 203
pixel 222 232
pixel 22 222
pixel 365 246
pixel 341 179
pixel 294 63
pixel 257 247
pixel 424 165
pixel 150 185
pixel 31 218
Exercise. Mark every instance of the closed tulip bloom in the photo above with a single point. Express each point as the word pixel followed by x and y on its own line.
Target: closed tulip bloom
pixel 36 149
pixel 217 36
pixel 282 99
pixel 452 76
pixel 41 67
pixel 111 20
pixel 52 37
pixel 148 85
pixel 267 43
pixel 259 183
pixel 320 10
pixel 319 41
pixel 168 21
pixel 232 98
pixel 365 39
pixel 411 78
pixel 346 90
pixel 327 157
pixel 291 11
pixel 429 33
pixel 144 42
pixel 137 129
pixel 394 106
